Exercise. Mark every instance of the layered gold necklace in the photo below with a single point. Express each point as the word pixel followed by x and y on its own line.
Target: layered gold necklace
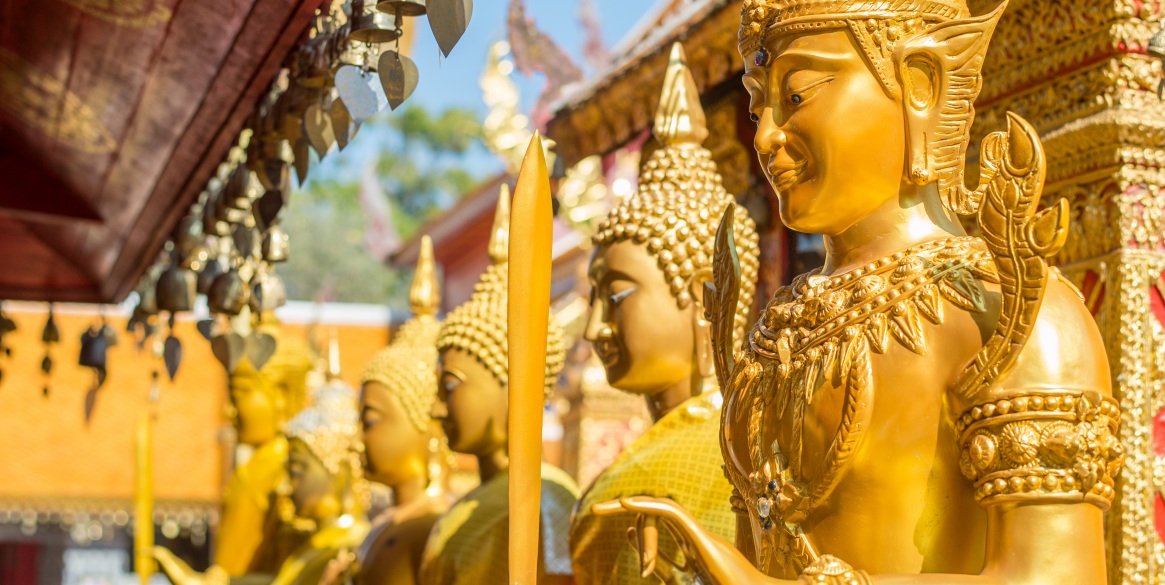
pixel 823 330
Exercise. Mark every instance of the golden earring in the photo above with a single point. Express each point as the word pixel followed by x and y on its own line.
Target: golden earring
pixel 702 332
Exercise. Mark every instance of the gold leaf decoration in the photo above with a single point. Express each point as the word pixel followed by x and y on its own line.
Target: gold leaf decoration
pixel 42 102
pixel 907 327
pixel 131 14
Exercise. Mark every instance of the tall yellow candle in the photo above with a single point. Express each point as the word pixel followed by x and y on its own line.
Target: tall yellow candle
pixel 143 527
pixel 529 312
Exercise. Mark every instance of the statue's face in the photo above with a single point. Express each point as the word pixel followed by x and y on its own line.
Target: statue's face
pixel 471 405
pixel 643 338
pixel 258 408
pixel 311 483
pixel 830 140
pixel 393 448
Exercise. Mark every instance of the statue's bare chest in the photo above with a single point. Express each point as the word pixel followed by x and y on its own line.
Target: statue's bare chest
pixel 826 383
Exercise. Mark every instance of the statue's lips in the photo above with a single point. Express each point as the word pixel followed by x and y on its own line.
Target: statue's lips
pixel 608 353
pixel 786 175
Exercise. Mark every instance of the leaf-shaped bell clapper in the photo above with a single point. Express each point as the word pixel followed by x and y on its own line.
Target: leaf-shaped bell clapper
pixel 449 19
pixel 402 7
pixel 267 292
pixel 176 289
pixel 228 293
pixel 398 75
pixel 276 245
pixel 373 27
pixel 267 208
pixel 50 334
pixel 277 175
pixel 361 93
pixel 236 191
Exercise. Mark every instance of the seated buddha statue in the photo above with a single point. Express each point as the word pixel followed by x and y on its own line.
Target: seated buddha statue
pixel 469 544
pixel 325 480
pixel 255 532
pixel 399 387
pixel 927 407
pixel 652 256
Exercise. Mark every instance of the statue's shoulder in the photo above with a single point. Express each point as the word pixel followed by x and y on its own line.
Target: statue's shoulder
pixel 1066 349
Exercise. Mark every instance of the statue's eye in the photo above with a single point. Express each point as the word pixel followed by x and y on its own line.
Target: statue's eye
pixel 755 118
pixel 795 98
pixel 618 297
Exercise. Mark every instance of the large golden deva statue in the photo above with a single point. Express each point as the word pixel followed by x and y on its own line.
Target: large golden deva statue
pixel 399 387
pixel 469 544
pixel 928 407
pixel 256 532
pixel 325 485
pixel 653 254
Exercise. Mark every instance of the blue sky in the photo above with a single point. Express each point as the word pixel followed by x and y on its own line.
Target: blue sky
pixel 454 81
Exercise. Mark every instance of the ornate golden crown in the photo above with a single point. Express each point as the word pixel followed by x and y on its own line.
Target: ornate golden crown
pixel 407 367
pixel 681 197
pixel 761 18
pixel 479 326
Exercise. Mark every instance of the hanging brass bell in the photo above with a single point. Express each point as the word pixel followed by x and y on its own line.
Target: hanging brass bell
pixel 402 7
pixel 1156 49
pixel 373 27
pixel 147 291
pixel 210 271
pixel 267 293
pixel 176 289
pixel 1156 46
pixel 228 293
pixel 276 245
pixel 188 234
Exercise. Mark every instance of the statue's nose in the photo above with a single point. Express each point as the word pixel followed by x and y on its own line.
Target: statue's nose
pixel 769 136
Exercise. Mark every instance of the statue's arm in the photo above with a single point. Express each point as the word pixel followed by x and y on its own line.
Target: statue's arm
pixel 240 529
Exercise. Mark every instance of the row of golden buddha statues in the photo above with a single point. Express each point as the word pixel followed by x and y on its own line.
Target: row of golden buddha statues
pixel 927 407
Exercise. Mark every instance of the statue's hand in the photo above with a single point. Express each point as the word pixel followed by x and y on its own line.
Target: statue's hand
pixel 181 574
pixel 705 554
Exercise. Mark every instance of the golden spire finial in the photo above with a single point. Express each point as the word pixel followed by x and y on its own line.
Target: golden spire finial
pixel 425 293
pixel 679 119
pixel 333 355
pixel 499 240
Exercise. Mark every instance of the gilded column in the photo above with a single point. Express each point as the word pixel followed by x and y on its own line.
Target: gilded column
pixel 1077 70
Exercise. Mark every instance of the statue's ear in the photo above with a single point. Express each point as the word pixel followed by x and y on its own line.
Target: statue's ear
pixel 939 71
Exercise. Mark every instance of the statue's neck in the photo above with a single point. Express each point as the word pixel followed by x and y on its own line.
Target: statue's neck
pixel 915 217
pixel 488 466
pixel 661 403
pixel 410 490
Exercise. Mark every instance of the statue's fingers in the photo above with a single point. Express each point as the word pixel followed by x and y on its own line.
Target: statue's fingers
pixel 678 519
pixel 167 562
pixel 608 508
pixel 650 539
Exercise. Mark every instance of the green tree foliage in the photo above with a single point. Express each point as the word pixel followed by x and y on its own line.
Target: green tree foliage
pixel 419 163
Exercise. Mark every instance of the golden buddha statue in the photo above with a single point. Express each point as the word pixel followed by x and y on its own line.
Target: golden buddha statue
pixel 324 476
pixel 469 544
pixel 399 388
pixel 653 254
pixel 927 407
pixel 255 532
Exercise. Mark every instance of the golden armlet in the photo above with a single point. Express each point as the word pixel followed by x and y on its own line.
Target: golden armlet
pixel 830 570
pixel 1045 445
